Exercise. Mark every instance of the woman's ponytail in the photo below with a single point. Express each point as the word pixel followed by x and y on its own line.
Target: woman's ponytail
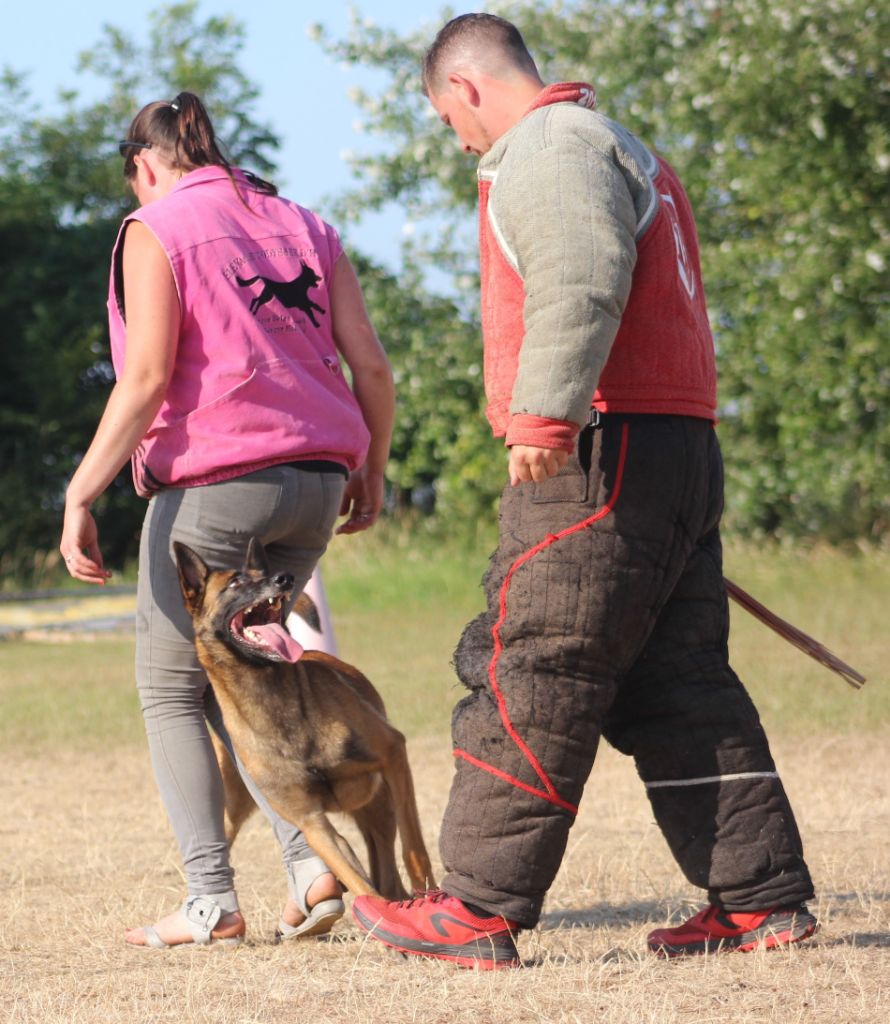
pixel 182 131
pixel 196 144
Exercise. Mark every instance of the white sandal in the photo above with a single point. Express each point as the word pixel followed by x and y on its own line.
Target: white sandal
pixel 321 918
pixel 202 914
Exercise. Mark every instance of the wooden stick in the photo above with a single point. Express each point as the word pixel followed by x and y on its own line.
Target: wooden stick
pixel 794 636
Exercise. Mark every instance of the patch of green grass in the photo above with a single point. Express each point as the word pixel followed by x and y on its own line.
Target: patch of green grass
pixel 392 570
pixel 841 600
pixel 79 695
pixel 399 605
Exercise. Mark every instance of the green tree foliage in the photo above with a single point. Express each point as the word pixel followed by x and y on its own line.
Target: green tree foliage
pixel 776 114
pixel 61 200
pixel 442 452
pixel 442 440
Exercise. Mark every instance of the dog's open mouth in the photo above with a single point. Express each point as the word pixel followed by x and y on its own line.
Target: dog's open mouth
pixel 260 628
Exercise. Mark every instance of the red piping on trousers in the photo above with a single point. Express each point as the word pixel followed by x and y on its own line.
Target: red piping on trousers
pixel 548 793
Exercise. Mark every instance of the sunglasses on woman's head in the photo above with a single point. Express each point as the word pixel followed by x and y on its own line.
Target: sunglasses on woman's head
pixel 124 145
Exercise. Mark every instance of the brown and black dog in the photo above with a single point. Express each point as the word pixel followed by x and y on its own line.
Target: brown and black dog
pixel 312 733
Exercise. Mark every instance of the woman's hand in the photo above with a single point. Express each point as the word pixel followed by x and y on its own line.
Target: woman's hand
pixel 362 500
pixel 79 535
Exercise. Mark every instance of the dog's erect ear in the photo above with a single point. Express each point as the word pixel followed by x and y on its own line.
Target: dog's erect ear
pixel 193 573
pixel 306 608
pixel 256 557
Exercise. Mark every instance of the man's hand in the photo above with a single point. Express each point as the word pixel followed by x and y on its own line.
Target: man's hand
pixel 528 463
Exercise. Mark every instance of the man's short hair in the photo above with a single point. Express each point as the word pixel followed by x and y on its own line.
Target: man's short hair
pixel 496 34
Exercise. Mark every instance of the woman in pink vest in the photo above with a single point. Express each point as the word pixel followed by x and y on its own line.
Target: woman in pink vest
pixel 231 312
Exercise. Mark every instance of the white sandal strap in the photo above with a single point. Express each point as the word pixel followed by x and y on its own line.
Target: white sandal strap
pixel 153 939
pixel 202 914
pixel 300 876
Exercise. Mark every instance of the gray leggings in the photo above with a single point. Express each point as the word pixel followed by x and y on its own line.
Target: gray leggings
pixel 292 512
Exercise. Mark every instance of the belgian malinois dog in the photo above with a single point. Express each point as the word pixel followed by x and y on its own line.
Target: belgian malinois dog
pixel 311 730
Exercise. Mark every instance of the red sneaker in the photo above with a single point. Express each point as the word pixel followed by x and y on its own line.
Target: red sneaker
pixel 713 931
pixel 434 924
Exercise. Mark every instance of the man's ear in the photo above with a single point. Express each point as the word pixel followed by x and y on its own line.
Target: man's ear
pixel 256 557
pixel 193 573
pixel 464 87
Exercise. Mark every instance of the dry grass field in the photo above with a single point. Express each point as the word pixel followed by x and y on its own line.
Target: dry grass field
pixel 85 850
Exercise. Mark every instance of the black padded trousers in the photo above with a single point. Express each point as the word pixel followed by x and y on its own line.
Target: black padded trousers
pixel 607 615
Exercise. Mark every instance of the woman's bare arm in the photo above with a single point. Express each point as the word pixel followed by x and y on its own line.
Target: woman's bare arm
pixel 152 306
pixel 372 383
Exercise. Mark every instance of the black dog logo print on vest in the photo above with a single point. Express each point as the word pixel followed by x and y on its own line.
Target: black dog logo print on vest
pixel 291 294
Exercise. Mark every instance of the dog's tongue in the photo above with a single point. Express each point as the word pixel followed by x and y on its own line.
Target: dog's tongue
pixel 277 637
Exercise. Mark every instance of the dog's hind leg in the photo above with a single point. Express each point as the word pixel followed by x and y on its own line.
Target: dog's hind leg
pixel 377 823
pixel 397 775
pixel 239 803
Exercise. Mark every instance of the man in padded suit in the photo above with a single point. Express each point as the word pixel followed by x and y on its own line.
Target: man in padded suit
pixel 607 611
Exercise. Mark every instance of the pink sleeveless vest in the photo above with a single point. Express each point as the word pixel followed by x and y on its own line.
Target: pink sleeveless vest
pixel 257 379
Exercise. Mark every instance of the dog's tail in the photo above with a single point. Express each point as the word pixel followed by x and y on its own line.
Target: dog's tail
pixel 244 283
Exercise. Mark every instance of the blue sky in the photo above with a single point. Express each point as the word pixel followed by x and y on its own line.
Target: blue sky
pixel 279 56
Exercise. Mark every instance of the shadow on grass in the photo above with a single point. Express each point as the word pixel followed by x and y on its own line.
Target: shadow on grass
pixel 878 940
pixel 603 914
